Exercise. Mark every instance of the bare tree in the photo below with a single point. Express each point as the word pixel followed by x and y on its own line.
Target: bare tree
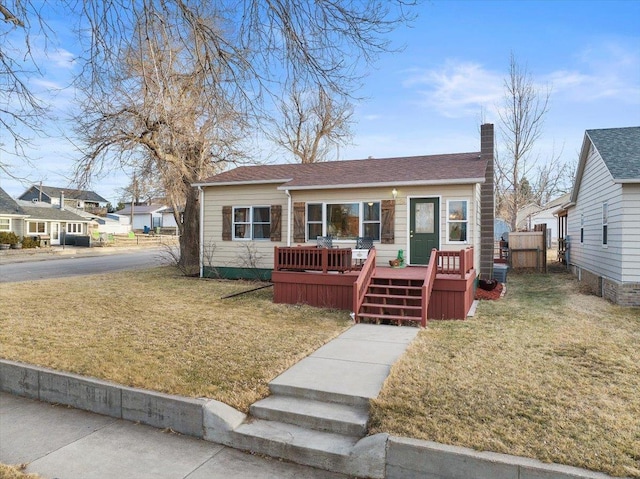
pixel 520 177
pixel 311 124
pixel 178 80
pixel 162 115
pixel 21 111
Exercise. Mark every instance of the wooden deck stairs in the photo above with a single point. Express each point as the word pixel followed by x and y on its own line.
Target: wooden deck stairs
pixel 393 295
pixel 391 300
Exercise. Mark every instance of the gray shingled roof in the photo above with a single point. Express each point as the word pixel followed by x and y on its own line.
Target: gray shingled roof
pixel 52 213
pixel 434 169
pixel 620 150
pixel 54 192
pixel 8 205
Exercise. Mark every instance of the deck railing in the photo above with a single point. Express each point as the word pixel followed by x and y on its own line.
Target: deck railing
pixel 362 283
pixel 427 286
pixel 312 258
pixel 455 262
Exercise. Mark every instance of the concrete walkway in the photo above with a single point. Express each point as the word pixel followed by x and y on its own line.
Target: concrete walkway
pixel 57 441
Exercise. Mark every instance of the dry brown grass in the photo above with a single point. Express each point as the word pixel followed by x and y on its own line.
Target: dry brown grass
pixel 16 472
pixel 546 373
pixel 157 330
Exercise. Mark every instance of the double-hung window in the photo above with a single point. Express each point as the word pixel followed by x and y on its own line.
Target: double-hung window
pixel 5 224
pixel 74 228
pixel 344 221
pixel 37 227
pixel 252 222
pixel 457 221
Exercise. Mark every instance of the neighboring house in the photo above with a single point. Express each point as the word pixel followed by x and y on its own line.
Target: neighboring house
pixel 412 204
pixel 602 218
pixel 169 219
pixel 533 215
pixel 11 214
pixel 145 217
pixel 80 199
pixel 500 227
pixel 52 221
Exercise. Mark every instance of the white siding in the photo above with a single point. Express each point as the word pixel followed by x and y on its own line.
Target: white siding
pixel 630 225
pixel 597 187
pixel 235 253
pixel 230 253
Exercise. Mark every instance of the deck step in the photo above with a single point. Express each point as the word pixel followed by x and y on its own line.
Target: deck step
pixel 318 415
pixel 391 317
pixel 392 306
pixel 393 296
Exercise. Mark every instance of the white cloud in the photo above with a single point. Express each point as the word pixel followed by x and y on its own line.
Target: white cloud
pixel 608 71
pixel 457 89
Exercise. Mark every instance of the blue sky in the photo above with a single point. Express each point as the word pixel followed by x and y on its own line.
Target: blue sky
pixel 430 97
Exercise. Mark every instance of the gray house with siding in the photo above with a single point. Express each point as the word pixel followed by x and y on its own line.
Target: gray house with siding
pixel 603 215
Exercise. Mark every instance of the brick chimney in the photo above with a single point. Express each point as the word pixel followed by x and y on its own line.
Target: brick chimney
pixel 487 202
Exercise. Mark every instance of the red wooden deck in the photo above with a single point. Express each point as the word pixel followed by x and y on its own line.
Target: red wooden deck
pixel 450 297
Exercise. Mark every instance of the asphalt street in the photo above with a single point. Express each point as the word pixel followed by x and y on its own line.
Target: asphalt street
pixel 62 266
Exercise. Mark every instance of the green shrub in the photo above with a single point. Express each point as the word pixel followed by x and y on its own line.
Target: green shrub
pixel 8 237
pixel 29 242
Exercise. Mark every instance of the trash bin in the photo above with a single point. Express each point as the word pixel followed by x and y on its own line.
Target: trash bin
pixel 500 272
pixel 145 230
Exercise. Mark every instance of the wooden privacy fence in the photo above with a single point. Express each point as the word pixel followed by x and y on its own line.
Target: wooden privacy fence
pixel 528 250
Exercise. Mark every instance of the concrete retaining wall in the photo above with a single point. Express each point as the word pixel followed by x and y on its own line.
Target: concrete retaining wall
pixel 411 458
pixel 214 421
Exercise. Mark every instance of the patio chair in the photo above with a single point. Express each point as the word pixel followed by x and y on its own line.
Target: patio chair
pixel 325 241
pixel 364 242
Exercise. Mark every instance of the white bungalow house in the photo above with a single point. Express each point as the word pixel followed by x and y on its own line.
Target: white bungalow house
pixel 601 222
pixel 411 204
pixel 53 222
pixel 145 217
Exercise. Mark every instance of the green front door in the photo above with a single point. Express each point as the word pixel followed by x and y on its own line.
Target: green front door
pixel 424 229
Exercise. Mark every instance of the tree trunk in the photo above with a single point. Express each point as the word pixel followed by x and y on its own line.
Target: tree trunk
pixel 190 237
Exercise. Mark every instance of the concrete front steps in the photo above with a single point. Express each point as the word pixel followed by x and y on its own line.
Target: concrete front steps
pixel 318 410
pixel 314 428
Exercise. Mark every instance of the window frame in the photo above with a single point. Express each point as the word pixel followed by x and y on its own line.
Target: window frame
pixel 361 221
pixel 36 223
pixel 249 223
pixel 8 220
pixel 76 227
pixel 464 222
pixel 605 224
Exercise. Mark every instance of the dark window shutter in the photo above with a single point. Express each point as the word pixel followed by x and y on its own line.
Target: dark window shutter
pixel 299 222
pixel 388 221
pixel 226 223
pixel 276 223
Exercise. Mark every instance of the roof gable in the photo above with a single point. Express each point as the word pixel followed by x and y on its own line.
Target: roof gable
pixel 620 150
pixel 433 169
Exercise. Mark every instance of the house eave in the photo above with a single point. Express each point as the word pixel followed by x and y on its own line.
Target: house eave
pixel 627 181
pixel 242 183
pixel 465 181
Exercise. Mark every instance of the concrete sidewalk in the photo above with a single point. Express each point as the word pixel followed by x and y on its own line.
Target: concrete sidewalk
pixel 66 443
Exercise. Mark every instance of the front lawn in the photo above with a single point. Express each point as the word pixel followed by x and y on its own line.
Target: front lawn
pixel 546 372
pixel 157 330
